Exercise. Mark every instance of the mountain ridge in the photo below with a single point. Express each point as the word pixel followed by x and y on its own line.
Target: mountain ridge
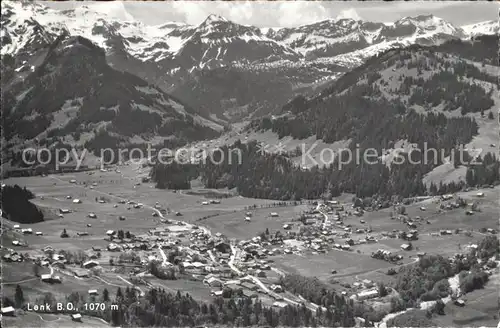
pixel 73 97
pixel 419 24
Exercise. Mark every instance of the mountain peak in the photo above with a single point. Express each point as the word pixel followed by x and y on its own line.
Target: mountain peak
pixel 422 18
pixel 212 18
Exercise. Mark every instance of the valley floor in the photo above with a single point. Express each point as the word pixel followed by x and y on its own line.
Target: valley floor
pixel 355 268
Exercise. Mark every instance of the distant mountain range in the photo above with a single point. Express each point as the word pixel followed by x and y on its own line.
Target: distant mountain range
pixel 266 66
pixel 218 41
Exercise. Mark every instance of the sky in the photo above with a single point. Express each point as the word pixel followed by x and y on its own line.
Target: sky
pixel 289 13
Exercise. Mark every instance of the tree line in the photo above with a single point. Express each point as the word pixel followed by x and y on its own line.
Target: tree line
pixel 161 308
pixel 16 205
pixel 273 176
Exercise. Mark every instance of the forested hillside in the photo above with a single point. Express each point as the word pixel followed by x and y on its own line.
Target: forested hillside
pixel 16 205
pixel 419 95
pixel 273 176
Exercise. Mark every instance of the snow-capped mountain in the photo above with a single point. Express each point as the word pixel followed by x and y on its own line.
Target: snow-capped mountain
pixel 181 59
pixel 342 36
pixel 215 40
pixel 218 40
pixel 21 33
pixel 323 39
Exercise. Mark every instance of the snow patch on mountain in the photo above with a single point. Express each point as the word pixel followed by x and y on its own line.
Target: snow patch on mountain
pixel 429 23
pixel 483 28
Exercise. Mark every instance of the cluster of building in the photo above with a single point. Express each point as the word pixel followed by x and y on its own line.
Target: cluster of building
pixel 387 256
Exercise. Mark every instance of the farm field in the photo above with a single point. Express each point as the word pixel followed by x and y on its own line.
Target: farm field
pixel 321 265
pixel 228 216
pixel 233 225
pixel 448 245
pixel 446 219
pixel 33 288
pixel 139 220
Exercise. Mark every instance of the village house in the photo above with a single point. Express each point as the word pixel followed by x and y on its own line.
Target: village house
pixel 411 224
pixel 113 247
pixel 216 293
pixel 90 264
pixel 81 273
pixel 212 282
pixel 14 257
pixel 249 293
pixel 224 272
pixel 46 277
pixel 93 292
pixel 368 283
pixel 76 317
pixel 447 197
pixel 223 247
pixel 276 288
pixel 310 221
pixel 279 304
pixel 56 279
pixel 370 239
pixel 27 231
pixel 365 295
pixel 58 257
pixel 159 231
pixel 406 247
pixel 7 311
